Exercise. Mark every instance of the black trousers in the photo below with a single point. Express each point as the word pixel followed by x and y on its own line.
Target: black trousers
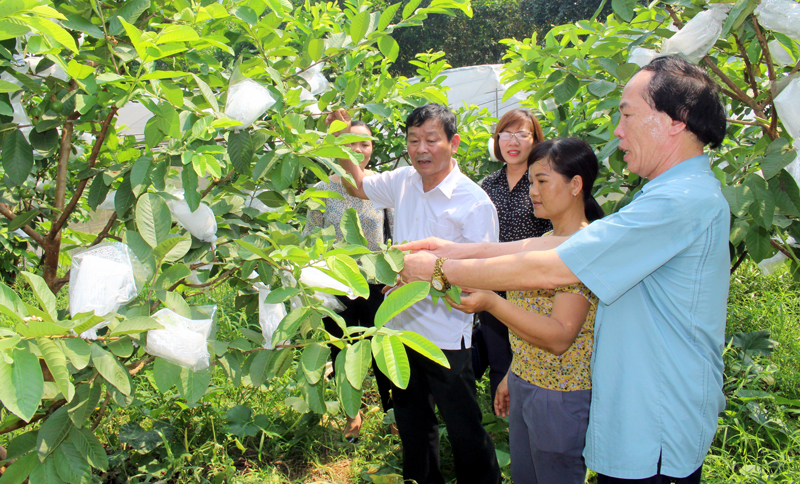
pixel 453 391
pixel 361 312
pixel 491 348
pixel 659 478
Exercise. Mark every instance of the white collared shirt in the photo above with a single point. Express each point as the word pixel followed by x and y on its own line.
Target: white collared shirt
pixel 457 209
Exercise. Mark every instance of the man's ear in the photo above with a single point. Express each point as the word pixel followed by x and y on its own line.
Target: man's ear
pixel 676 127
pixel 454 144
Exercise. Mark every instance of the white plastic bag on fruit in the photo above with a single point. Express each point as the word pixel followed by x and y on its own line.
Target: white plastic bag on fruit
pixel 699 35
pixel 102 279
pixel 780 16
pixel 768 266
pixel 641 56
pixel 269 315
pixel 183 341
pixel 201 223
pixel 306 96
pixel 247 101
pixel 779 54
pixel 312 276
pixel 108 202
pixel 788 105
pixel 316 81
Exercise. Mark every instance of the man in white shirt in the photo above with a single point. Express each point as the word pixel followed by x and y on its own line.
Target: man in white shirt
pixel 433 198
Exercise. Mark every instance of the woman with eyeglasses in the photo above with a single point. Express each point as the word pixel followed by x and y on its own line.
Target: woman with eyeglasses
pixel 514 138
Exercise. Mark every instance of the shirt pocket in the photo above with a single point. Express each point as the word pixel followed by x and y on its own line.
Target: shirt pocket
pixel 446 232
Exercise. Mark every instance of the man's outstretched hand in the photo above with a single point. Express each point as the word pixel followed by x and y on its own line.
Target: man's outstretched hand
pixel 418 267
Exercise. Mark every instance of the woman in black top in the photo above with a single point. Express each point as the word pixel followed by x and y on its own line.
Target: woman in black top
pixel 515 135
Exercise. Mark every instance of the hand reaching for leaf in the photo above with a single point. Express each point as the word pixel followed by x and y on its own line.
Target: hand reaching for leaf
pixel 475 300
pixel 340 114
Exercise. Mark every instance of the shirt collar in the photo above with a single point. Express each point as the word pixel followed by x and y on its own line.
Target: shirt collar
pixel 446 186
pixel 697 164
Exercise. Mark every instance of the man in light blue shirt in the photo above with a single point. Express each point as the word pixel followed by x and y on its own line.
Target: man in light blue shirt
pixel 660 267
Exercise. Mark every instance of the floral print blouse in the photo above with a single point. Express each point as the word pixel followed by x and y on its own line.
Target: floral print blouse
pixel 371 218
pixel 567 372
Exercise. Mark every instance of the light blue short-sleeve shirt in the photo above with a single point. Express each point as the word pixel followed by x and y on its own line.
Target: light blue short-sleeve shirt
pixel 661 269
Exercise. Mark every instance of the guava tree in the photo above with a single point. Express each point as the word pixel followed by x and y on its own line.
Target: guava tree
pixel 246 162
pixel 576 73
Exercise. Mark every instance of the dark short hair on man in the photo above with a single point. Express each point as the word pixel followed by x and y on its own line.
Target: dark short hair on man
pixel 687 94
pixel 441 114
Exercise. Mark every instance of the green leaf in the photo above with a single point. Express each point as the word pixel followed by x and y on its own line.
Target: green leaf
pixel 566 89
pixel 737 16
pixel 153 219
pixel 45 297
pixel 17 158
pixel 281 294
pixel 623 8
pixel 353 88
pixel 314 396
pixel 208 94
pixel 57 364
pixel 111 369
pixel 389 47
pixel 423 346
pixel 387 16
pixel 19 471
pixel 357 362
pixel 175 302
pixel 172 276
pixel 773 163
pixel 259 367
pixel 172 249
pixel 241 150
pixel 345 268
pixel 191 191
pixel 763 207
pixel 21 384
pixel 755 343
pixel 289 324
pixel 358 26
pixel 401 299
pixel 395 258
pixel 46 143
pixel 89 447
pixel 77 351
pixel 351 228
pixel 396 360
pixel 10 304
pixel 35 329
pixel 349 396
pixel 739 198
pixel 384 273
pixel 313 361
pixel 136 325
pixel 22 219
pixel 601 88
pixel 46 472
pixel 410 7
pixel 70 464
pixel 193 384
pixel 86 399
pixel 53 431
pixel 129 12
pixel 779 187
pixel 165 374
pixel 316 49
pixel 757 243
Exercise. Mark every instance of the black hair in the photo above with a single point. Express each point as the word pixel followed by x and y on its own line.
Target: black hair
pixel 440 113
pixel 687 94
pixel 572 157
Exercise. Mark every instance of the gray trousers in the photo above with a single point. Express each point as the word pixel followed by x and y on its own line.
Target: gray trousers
pixel 547 433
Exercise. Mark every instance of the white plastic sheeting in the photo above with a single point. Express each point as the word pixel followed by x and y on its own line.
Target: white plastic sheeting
pixel 247 101
pixel 183 341
pixel 201 223
pixel 102 279
pixel 269 315
pixel 788 105
pixel 699 35
pixel 780 16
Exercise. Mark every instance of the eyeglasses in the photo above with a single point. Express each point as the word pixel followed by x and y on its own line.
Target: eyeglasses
pixel 519 135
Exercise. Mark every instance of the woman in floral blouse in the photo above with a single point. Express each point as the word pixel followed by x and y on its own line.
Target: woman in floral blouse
pixel 547 391
pixel 358 312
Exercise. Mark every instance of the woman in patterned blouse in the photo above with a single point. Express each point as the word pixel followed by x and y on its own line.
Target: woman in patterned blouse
pixel 515 135
pixel 358 312
pixel 547 391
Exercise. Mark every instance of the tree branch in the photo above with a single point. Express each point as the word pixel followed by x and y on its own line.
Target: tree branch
pixel 738 262
pixel 98 144
pixel 104 233
pixel 795 68
pixel 136 366
pixel 214 183
pixel 747 123
pixel 7 213
pixel 22 424
pixel 751 75
pixel 63 159
pixel 102 411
